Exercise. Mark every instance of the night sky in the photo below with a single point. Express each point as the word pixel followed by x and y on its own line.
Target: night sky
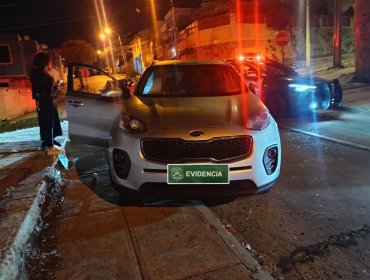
pixel 53 21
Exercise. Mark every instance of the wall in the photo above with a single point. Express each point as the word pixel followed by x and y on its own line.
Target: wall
pixel 15 102
pixel 322 41
pixel 221 42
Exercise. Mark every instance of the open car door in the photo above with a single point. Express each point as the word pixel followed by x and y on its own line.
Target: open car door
pixel 93 103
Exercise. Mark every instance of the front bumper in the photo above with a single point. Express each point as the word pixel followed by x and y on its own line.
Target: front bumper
pixel 247 175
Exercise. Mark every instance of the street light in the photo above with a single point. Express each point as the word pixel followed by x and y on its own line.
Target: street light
pixel 174 30
pixel 106 32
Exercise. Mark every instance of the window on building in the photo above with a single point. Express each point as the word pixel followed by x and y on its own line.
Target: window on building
pixel 5 57
pixel 4 84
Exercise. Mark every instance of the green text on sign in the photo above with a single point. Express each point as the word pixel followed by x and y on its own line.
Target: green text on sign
pixel 197 173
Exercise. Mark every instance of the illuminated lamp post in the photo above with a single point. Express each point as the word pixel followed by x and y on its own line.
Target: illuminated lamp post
pixel 106 32
pixel 174 30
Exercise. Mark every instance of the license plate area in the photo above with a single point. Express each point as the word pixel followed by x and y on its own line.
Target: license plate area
pixel 198 174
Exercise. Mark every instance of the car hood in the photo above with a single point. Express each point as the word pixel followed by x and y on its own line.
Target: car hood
pixel 172 112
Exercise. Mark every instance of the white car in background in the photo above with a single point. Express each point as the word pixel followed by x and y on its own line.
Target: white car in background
pixel 182 114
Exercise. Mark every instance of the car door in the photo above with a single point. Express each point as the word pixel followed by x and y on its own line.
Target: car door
pixel 93 105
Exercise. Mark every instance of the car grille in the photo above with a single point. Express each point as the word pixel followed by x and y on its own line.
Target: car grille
pixel 178 150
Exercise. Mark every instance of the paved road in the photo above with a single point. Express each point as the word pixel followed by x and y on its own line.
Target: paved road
pixel 342 126
pixel 314 224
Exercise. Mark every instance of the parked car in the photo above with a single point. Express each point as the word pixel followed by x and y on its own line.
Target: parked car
pixel 284 91
pixel 184 115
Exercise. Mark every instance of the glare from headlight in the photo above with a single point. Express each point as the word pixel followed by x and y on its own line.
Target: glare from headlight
pixel 302 87
pixel 313 105
pixel 131 124
pixel 134 124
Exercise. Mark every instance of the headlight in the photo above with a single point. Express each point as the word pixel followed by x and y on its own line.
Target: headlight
pixel 131 124
pixel 259 121
pixel 302 87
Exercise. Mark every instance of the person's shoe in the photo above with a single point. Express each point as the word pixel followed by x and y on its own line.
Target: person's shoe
pixel 57 143
pixel 54 150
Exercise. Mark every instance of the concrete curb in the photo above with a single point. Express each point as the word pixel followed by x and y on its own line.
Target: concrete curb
pixel 334 140
pixel 241 253
pixel 12 262
pixel 25 213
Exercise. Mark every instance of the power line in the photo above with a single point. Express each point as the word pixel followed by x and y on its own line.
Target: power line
pixel 46 23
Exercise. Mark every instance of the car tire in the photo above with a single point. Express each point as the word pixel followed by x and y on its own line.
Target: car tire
pixel 277 106
pixel 337 94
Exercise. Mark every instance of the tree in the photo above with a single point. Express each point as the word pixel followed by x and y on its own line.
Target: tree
pixel 78 51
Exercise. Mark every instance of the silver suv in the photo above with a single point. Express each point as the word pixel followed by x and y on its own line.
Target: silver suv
pixel 189 128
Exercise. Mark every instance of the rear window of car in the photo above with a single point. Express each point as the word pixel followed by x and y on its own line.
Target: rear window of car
pixel 189 80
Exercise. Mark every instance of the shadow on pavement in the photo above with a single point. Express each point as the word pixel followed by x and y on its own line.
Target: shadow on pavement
pixel 92 169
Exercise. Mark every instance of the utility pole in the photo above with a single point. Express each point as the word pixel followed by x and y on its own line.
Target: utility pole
pixel 123 53
pixel 337 42
pixel 308 35
pixel 155 27
pixel 174 30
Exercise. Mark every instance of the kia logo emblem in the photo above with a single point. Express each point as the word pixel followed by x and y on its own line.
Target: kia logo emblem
pixel 196 133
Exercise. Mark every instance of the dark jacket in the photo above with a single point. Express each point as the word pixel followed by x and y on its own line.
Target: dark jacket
pixel 42 84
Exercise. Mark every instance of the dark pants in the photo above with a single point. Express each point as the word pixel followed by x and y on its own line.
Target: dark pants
pixel 49 122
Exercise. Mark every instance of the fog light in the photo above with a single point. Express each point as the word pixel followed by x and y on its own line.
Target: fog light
pixel 270 159
pixel 118 157
pixel 272 153
pixel 121 163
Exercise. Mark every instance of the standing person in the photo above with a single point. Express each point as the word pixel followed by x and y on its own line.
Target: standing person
pixel 42 91
pixel 57 78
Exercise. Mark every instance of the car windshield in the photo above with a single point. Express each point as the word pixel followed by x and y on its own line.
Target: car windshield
pixel 189 80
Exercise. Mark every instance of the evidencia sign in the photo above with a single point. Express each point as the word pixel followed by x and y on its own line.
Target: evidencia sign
pixel 198 174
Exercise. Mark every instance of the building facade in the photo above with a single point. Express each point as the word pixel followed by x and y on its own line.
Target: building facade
pixel 216 31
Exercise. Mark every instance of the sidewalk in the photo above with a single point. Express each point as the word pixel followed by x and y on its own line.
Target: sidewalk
pixel 23 187
pixel 23 193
